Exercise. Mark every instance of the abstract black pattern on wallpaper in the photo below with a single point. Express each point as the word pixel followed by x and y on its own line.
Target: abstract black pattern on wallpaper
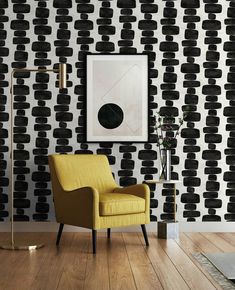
pixel 229 48
pixel 212 92
pixel 191 133
pixel 191 47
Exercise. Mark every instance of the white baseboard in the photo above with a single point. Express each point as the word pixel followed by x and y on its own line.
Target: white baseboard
pixel 218 227
pixel 183 226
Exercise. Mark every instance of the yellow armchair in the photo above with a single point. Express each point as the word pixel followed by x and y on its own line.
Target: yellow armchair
pixel 86 195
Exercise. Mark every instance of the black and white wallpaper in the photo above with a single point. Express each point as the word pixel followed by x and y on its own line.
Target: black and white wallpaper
pixel 191 46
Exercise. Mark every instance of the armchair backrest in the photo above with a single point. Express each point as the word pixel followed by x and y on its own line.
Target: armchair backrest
pixel 74 171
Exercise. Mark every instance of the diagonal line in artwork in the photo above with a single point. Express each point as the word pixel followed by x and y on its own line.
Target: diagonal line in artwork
pixel 114 84
pixel 117 81
pixel 110 107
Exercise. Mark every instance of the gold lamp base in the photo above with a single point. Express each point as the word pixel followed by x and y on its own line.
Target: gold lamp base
pixel 21 247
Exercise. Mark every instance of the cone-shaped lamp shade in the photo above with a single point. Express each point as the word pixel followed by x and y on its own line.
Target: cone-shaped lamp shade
pixel 62 75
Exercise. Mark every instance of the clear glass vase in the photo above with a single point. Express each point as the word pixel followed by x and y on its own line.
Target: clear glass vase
pixel 165 171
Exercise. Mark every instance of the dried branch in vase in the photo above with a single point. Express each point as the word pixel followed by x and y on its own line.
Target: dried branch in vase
pixel 167 131
pixel 164 125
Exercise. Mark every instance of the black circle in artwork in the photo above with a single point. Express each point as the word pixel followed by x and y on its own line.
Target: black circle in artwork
pixel 110 116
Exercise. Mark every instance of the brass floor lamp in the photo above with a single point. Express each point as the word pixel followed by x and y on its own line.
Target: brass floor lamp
pixel 62 84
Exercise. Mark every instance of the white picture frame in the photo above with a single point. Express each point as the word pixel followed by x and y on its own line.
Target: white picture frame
pixel 117 98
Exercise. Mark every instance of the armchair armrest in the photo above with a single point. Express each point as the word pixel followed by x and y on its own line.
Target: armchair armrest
pixel 140 190
pixel 90 194
pixel 78 207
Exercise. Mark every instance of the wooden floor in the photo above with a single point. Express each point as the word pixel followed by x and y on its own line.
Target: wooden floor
pixel 124 263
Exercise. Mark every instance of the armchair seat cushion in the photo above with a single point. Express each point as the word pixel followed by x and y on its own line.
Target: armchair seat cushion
pixel 118 203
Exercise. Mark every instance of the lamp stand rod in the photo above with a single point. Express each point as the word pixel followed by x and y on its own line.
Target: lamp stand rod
pixel 12 245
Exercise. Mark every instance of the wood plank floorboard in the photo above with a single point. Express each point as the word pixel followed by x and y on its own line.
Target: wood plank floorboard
pixel 187 268
pixel 74 272
pixel 12 261
pixel 195 243
pixel 97 270
pixel 27 262
pixel 229 237
pixel 120 272
pixel 143 271
pixel 51 270
pixel 165 269
pixel 219 242
pixel 121 263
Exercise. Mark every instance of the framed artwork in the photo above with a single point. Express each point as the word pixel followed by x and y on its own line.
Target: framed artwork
pixel 117 98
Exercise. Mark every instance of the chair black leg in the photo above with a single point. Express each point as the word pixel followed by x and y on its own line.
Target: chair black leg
pixel 109 233
pixel 59 234
pixel 145 235
pixel 94 241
